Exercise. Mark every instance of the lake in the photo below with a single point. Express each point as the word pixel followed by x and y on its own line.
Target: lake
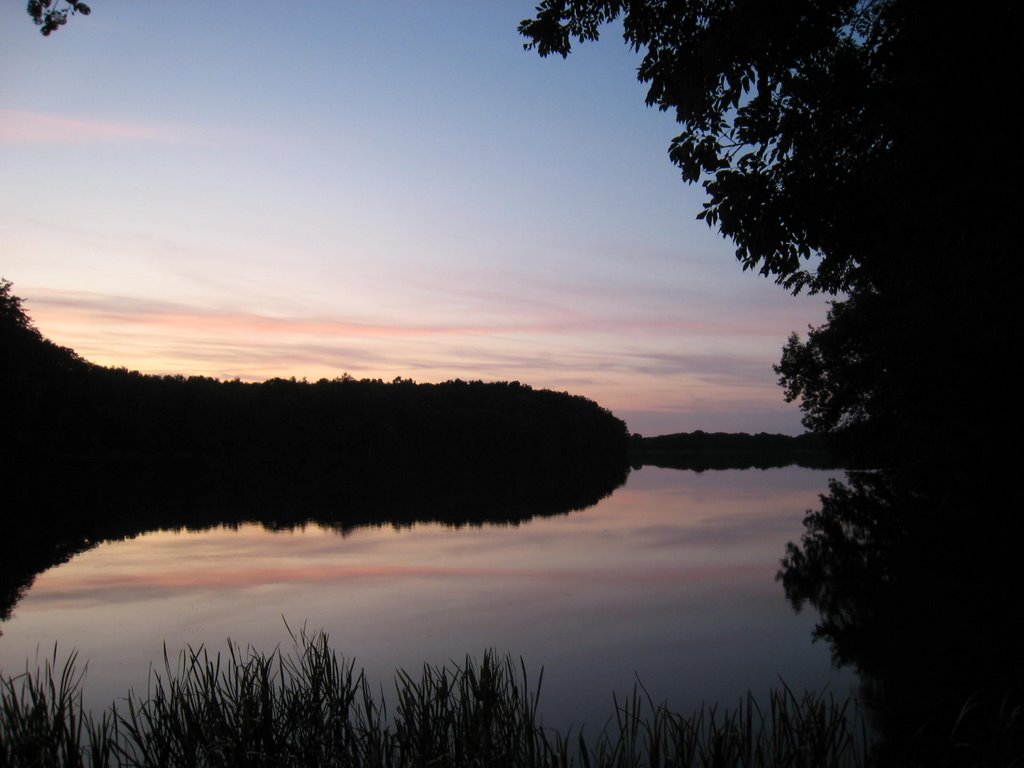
pixel 670 580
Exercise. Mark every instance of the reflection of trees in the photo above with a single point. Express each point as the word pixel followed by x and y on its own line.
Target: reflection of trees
pixel 59 508
pixel 90 453
pixel 918 586
pixel 701 451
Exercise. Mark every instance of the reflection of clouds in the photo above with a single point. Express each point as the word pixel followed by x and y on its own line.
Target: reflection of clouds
pixel 636 584
pixel 666 529
pixel 734 530
pixel 660 573
pixel 82 589
pixel 197 578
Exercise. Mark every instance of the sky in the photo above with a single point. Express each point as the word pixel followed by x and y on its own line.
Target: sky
pixel 375 188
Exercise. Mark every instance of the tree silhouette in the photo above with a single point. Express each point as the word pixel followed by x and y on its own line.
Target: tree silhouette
pixel 51 15
pixel 834 140
pixel 842 148
pixel 786 116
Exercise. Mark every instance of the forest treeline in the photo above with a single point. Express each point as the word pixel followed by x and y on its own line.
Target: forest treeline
pixel 58 404
pixel 701 450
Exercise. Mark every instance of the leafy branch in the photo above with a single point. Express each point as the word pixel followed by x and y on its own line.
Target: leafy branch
pixel 51 15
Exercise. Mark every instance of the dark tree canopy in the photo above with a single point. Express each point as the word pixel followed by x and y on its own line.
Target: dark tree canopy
pixel 802 118
pixel 11 312
pixel 843 147
pixel 772 100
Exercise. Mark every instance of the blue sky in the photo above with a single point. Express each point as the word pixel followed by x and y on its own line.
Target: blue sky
pixel 384 189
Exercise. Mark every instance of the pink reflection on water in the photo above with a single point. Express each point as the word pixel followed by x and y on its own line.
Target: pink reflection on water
pixel 671 579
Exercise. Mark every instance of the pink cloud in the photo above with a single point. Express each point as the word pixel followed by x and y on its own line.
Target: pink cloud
pixel 65 305
pixel 17 127
pixel 546 346
pixel 60 305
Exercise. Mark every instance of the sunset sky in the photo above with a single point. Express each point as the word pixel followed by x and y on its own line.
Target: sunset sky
pixel 379 188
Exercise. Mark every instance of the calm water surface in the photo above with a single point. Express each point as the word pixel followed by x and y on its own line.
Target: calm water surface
pixel 671 580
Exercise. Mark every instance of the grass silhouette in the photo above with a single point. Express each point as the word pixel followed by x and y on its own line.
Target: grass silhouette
pixel 307 707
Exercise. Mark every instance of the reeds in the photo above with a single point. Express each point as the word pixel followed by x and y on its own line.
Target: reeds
pixel 43 722
pixel 808 731
pixel 307 708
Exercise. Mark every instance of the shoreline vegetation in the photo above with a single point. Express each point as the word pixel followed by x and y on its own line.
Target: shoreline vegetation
pixel 310 708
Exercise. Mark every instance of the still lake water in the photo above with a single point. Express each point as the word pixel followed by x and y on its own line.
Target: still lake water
pixel 670 580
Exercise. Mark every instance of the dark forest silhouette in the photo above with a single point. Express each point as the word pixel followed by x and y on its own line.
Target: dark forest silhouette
pixel 61 405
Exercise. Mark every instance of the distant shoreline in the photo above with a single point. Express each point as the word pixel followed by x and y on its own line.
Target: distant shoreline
pixel 701 450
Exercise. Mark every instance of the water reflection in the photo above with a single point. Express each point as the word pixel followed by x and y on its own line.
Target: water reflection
pixel 669 579
pixel 61 509
pixel 918 586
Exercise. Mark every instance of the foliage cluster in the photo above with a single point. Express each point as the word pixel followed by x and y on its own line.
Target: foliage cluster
pixel 51 15
pixel 309 708
pixel 838 143
pixel 780 110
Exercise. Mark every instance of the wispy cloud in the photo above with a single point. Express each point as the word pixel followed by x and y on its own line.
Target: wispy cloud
pixel 506 317
pixel 183 317
pixel 625 363
pixel 718 369
pixel 18 128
